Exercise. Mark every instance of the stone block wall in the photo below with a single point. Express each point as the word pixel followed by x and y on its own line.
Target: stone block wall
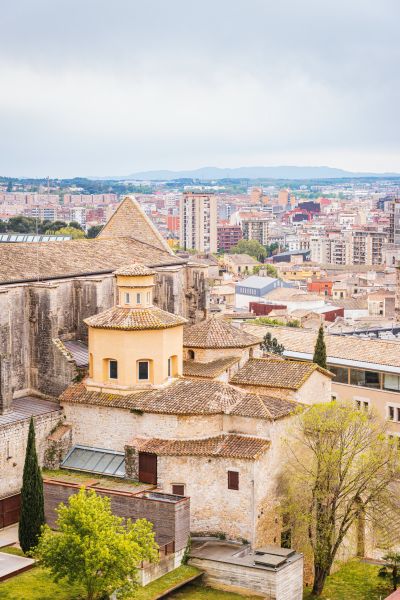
pixel 13 440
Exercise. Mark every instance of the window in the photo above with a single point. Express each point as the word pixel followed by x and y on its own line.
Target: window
pixel 127 298
pixel 341 374
pixel 233 480
pixel 138 298
pixel 178 489
pixel 190 354
pixel 364 378
pixel 113 369
pixel 143 370
pixel 391 382
pixel 362 404
pixel 394 413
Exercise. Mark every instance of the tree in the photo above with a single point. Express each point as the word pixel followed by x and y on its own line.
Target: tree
pixel 9 186
pixel 391 568
pixel 21 224
pixel 320 349
pixel 74 233
pixel 94 547
pixel 94 231
pixel 76 225
pixel 269 269
pixel 32 503
pixel 340 470
pixel 250 247
pixel 271 344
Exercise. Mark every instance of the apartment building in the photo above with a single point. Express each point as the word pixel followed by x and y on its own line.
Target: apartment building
pixel 228 236
pixel 256 227
pixel 198 222
pixel 367 247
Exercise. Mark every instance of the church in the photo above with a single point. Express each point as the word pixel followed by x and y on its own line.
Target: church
pixel 195 410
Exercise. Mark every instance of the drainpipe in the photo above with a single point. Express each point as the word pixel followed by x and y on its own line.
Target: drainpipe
pixel 253 511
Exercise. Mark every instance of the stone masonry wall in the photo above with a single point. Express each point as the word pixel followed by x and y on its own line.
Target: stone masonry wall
pixel 13 439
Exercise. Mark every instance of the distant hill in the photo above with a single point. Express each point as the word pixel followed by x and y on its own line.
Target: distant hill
pixel 288 172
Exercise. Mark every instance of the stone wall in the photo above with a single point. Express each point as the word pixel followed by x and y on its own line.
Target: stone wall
pixel 32 315
pixel 13 440
pixel 283 584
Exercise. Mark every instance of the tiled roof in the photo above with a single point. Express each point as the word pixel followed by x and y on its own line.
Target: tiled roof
pixel 222 446
pixel 348 348
pixel 216 333
pixel 210 369
pixel 45 260
pixel 241 259
pixel 267 372
pixel 187 397
pixel 134 269
pixel 129 220
pixel 129 319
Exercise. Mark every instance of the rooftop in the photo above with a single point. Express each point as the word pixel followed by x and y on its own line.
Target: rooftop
pixel 210 369
pixel 241 259
pixel 129 319
pixel 341 350
pixel 187 397
pixel 222 446
pixel 255 281
pixel 134 269
pixel 217 333
pixel 24 408
pixel 276 373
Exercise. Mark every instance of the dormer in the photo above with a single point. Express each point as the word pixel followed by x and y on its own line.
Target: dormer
pixel 135 286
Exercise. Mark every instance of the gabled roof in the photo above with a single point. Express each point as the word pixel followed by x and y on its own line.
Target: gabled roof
pixel 210 369
pixel 216 333
pixel 74 258
pixel 129 220
pixel 271 373
pixel 129 319
pixel 221 446
pixel 187 397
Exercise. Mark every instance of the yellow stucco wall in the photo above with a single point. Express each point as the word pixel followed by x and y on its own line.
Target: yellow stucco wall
pixel 129 347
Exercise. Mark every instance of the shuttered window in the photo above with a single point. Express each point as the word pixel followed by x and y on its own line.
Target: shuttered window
pixel 178 489
pixel 233 480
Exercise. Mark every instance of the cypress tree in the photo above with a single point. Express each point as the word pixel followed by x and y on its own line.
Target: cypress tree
pixel 32 502
pixel 320 349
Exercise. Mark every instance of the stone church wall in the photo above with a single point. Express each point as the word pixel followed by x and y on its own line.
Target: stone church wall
pixel 33 315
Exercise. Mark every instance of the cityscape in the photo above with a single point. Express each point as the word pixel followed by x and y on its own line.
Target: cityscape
pixel 199 301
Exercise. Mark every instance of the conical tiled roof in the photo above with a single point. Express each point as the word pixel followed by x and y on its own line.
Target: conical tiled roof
pixel 216 333
pixel 130 319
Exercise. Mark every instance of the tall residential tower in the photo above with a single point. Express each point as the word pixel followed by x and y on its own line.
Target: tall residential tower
pixel 198 222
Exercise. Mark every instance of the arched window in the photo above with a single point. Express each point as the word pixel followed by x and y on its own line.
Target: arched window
pixel 190 354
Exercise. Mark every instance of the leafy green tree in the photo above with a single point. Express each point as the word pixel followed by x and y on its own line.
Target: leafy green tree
pixel 251 247
pixel 271 344
pixel 56 225
pixel 95 548
pixel 270 270
pixel 3 227
pixel 94 231
pixel 340 472
pixel 21 224
pixel 9 186
pixel 32 503
pixel 320 349
pixel 76 225
pixel 272 248
pixel 391 568
pixel 72 231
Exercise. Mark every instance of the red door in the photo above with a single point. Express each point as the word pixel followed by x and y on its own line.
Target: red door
pixel 9 510
pixel 148 468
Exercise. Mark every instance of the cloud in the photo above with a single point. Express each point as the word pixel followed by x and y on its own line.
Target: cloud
pixel 94 87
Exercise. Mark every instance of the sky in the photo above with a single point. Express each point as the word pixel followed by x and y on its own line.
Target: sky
pixel 103 88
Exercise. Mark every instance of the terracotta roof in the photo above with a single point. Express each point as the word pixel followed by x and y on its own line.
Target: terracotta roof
pixel 216 333
pixel 210 369
pixel 241 259
pixel 345 347
pixel 268 372
pixel 129 319
pixel 222 446
pixel 187 397
pixel 134 269
pixel 46 260
pixel 129 220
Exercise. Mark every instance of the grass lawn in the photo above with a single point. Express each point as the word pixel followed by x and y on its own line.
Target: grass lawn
pixel 198 592
pixel 354 581
pixel 36 584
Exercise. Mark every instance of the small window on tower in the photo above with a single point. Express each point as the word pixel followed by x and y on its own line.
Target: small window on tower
pixel 127 298
pixel 138 298
pixel 143 370
pixel 113 369
pixel 233 480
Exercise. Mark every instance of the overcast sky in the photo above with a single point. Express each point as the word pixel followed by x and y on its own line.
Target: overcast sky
pixel 94 87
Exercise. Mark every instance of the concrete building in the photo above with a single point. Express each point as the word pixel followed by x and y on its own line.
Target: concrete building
pixel 255 288
pixel 256 227
pixel 198 222
pixel 228 236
